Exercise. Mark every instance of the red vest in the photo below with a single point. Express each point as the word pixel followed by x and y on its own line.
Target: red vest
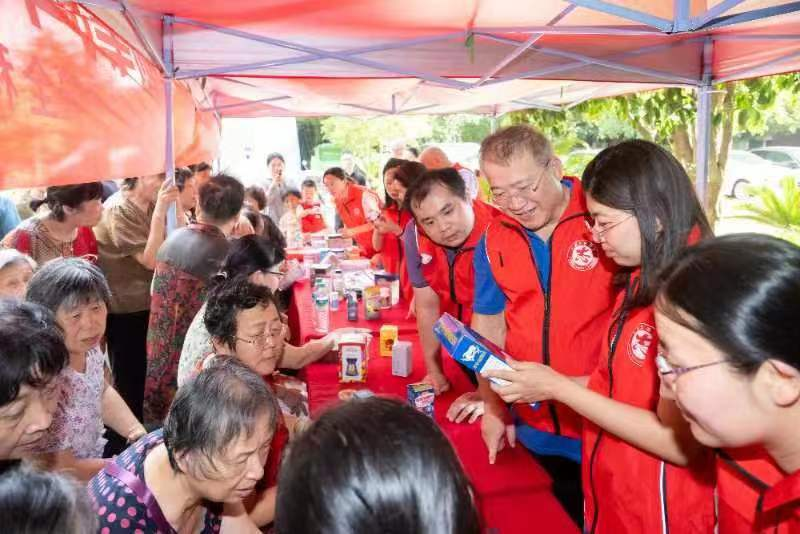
pixel 626 489
pixel 564 327
pixel 780 507
pixel 743 476
pixel 311 223
pixel 351 211
pixel 455 284
pixel 393 253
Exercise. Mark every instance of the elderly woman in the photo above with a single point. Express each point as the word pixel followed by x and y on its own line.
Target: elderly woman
pixel 192 475
pixel 65 229
pixel 129 235
pixel 16 270
pixel 77 294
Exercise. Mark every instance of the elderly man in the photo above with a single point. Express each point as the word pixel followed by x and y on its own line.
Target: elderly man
pixel 434 157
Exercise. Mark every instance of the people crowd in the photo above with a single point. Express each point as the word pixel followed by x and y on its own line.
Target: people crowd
pixel 148 381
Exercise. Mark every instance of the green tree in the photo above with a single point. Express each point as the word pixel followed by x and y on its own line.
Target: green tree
pixel 780 209
pixel 459 128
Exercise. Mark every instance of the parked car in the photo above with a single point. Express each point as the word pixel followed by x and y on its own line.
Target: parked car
pixel 785 156
pixel 745 169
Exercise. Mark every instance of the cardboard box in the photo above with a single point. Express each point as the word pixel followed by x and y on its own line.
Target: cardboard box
pixel 421 397
pixel 470 349
pixel 388 337
pixel 402 359
pixel 353 358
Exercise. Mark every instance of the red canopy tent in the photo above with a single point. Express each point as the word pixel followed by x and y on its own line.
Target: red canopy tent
pixel 85 85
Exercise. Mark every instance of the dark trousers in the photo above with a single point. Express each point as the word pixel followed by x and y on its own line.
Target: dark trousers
pixel 127 350
pixel 567 489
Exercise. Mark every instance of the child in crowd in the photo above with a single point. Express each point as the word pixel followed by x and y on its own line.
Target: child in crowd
pixel 77 293
pixel 289 223
pixel 16 270
pixel 310 211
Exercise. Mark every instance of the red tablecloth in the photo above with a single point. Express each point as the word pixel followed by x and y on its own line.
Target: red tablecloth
pixel 513 494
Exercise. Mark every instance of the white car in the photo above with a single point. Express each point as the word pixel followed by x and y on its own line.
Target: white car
pixel 745 169
pixel 785 156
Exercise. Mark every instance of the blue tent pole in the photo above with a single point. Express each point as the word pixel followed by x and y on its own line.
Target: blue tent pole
pixel 169 149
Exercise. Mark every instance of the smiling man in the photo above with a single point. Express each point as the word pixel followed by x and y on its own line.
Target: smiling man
pixel 543 292
pixel 32 354
pixel 439 246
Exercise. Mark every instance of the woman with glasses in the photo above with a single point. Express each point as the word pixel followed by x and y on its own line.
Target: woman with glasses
pixel 727 315
pixel 643 213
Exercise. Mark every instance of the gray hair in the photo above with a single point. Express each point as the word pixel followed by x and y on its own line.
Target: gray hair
pixel 12 256
pixel 67 282
pixel 36 501
pixel 223 403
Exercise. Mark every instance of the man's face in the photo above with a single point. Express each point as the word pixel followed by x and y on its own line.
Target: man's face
pixel 445 218
pixel 276 168
pixel 24 420
pixel 527 190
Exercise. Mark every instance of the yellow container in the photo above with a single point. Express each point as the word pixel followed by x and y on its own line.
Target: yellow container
pixel 388 337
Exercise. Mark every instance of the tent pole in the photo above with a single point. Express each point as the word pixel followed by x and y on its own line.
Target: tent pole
pixel 704 112
pixel 169 149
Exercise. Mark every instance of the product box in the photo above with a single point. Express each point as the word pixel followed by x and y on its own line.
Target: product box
pixel 391 281
pixel 353 358
pixel 402 359
pixel 388 337
pixel 470 349
pixel 421 397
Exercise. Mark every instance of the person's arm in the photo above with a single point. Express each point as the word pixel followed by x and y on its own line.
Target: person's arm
pixel 299 357
pixel 119 417
pixel 355 230
pixel 166 196
pixel 426 303
pixel 82 469
pixel 665 437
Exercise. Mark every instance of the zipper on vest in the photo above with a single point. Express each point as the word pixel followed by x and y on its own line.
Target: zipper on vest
pixel 452 276
pixel 612 350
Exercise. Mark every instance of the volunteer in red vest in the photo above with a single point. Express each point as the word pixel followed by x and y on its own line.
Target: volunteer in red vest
pixel 439 256
pixel 357 206
pixel 387 238
pixel 727 315
pixel 544 292
pixel 310 211
pixel 643 212
pixel 434 157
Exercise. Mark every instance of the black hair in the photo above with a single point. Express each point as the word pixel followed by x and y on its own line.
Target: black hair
pixel 742 293
pixel 129 183
pixel 255 218
pixel 38 502
pixel 647 181
pixel 222 403
pixel 409 172
pixel 229 297
pixel 393 163
pixel 337 172
pixel 272 233
pixel 275 155
pixel 394 471
pixel 181 175
pixel 67 282
pixel 32 350
pixel 421 187
pixel 221 198
pixel 200 167
pixel 309 183
pixel 258 194
pixel 414 151
pixel 291 193
pixel 251 254
pixel 58 196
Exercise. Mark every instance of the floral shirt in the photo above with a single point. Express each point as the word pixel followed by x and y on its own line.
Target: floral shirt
pixel 120 511
pixel 33 238
pixel 78 420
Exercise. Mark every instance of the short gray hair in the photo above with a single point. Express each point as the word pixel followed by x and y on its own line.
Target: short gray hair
pixel 224 402
pixel 12 256
pixel 510 142
pixel 67 282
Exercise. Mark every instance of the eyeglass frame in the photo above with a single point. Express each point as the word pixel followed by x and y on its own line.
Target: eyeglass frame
pixel 600 233
pixel 527 190
pixel 257 340
pixel 677 372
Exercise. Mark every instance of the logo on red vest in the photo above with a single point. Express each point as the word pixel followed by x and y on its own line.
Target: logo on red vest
pixel 641 341
pixel 583 255
pixel 357 212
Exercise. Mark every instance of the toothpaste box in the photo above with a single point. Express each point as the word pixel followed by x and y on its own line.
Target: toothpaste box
pixel 421 397
pixel 470 349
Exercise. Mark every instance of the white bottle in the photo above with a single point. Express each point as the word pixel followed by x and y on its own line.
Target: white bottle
pixel 322 313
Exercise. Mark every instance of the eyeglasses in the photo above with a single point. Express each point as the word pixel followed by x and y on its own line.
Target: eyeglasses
pixel 666 369
pixel 504 198
pixel 263 339
pixel 604 228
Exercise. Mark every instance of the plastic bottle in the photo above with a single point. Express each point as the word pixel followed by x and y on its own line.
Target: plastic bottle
pixel 352 307
pixel 322 313
pixel 334 300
